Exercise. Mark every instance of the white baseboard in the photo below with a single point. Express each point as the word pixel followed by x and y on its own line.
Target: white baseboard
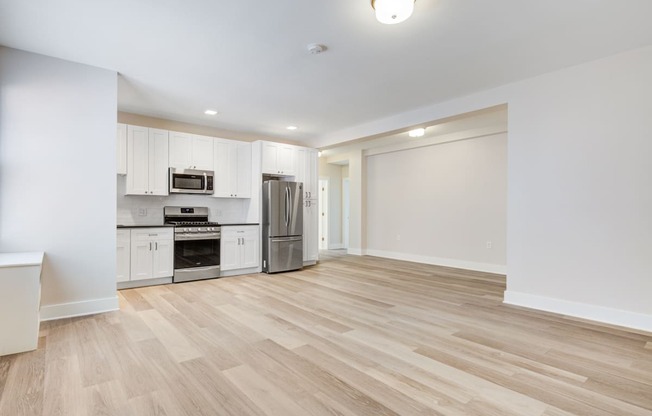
pixel 355 251
pixel 87 307
pixel 439 261
pixel 581 310
pixel 336 246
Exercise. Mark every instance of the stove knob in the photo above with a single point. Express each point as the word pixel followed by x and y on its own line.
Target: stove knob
pixel 186 229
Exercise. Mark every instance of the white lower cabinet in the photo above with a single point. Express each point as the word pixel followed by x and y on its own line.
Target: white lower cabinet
pixel 310 231
pixel 240 247
pixel 144 253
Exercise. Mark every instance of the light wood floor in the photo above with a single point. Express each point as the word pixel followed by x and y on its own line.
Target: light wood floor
pixel 351 336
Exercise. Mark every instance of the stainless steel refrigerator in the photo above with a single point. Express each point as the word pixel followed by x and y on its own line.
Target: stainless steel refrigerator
pixel 282 226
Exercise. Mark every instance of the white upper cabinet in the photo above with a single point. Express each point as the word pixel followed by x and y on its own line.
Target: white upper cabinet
pixel 121 149
pixel 191 151
pixel 147 161
pixel 232 169
pixel 278 159
pixel 307 162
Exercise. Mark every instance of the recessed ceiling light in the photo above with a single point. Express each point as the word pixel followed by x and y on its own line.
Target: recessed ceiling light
pixel 291 127
pixel 210 112
pixel 417 132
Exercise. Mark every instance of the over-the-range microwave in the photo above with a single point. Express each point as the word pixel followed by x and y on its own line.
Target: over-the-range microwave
pixel 191 181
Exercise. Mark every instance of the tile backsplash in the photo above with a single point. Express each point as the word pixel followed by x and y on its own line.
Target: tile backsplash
pixel 222 210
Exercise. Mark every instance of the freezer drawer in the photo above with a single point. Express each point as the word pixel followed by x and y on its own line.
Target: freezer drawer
pixel 283 254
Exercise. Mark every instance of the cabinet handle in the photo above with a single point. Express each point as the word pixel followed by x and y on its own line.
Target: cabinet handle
pixel 150 246
pixel 156 245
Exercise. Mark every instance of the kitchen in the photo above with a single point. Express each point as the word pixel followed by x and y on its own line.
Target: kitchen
pixel 210 179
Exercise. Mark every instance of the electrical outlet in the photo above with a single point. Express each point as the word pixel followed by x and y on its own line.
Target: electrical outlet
pixel 142 212
pixel 490 245
pixel 398 237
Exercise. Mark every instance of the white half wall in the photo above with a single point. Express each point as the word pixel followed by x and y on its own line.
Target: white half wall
pixel 440 204
pixel 57 177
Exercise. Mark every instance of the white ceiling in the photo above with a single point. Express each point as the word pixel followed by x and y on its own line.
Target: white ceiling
pixel 248 59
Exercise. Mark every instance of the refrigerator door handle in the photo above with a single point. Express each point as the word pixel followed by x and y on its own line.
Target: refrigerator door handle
pixel 290 207
pixel 280 240
pixel 287 206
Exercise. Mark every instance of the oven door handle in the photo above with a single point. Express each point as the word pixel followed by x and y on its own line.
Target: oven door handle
pixel 182 237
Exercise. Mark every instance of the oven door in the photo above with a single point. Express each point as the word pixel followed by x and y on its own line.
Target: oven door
pixel 196 259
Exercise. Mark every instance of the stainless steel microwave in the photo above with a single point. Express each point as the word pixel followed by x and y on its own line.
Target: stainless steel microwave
pixel 191 181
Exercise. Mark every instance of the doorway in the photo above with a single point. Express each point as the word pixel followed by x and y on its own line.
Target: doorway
pixel 323 214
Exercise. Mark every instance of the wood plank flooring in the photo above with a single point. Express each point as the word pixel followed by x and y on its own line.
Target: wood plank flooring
pixel 350 336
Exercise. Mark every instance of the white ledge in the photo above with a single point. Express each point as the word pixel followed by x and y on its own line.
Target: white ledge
pixel 21 259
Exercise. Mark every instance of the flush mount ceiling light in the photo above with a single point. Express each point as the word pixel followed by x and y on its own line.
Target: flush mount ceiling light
pixel 392 11
pixel 417 132
pixel 291 127
pixel 210 112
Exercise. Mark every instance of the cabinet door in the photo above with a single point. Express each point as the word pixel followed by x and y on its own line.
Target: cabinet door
pixel 310 230
pixel 311 184
pixel 163 257
pixel 180 155
pixel 123 254
pixel 286 160
pixel 141 258
pixel 250 248
pixel 242 171
pixel 121 149
pixel 158 162
pixel 269 156
pixel 137 160
pixel 229 250
pixel 222 169
pixel 202 152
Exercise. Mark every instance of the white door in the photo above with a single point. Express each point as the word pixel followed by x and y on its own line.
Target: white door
pixel 158 162
pixel 202 152
pixel 180 150
pixel 242 171
pixel 137 160
pixel 163 260
pixel 250 248
pixel 229 250
pixel 270 158
pixel 141 259
pixel 222 181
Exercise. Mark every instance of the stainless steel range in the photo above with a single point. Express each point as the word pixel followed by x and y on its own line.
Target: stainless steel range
pixel 196 243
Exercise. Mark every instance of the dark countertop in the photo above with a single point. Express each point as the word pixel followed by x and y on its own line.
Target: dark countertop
pixel 145 226
pixel 170 225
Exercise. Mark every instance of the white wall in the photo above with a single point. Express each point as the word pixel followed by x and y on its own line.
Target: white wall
pixel 57 176
pixel 579 217
pixel 580 200
pixel 440 204
pixel 222 210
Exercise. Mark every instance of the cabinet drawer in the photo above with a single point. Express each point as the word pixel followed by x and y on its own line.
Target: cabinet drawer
pixel 144 234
